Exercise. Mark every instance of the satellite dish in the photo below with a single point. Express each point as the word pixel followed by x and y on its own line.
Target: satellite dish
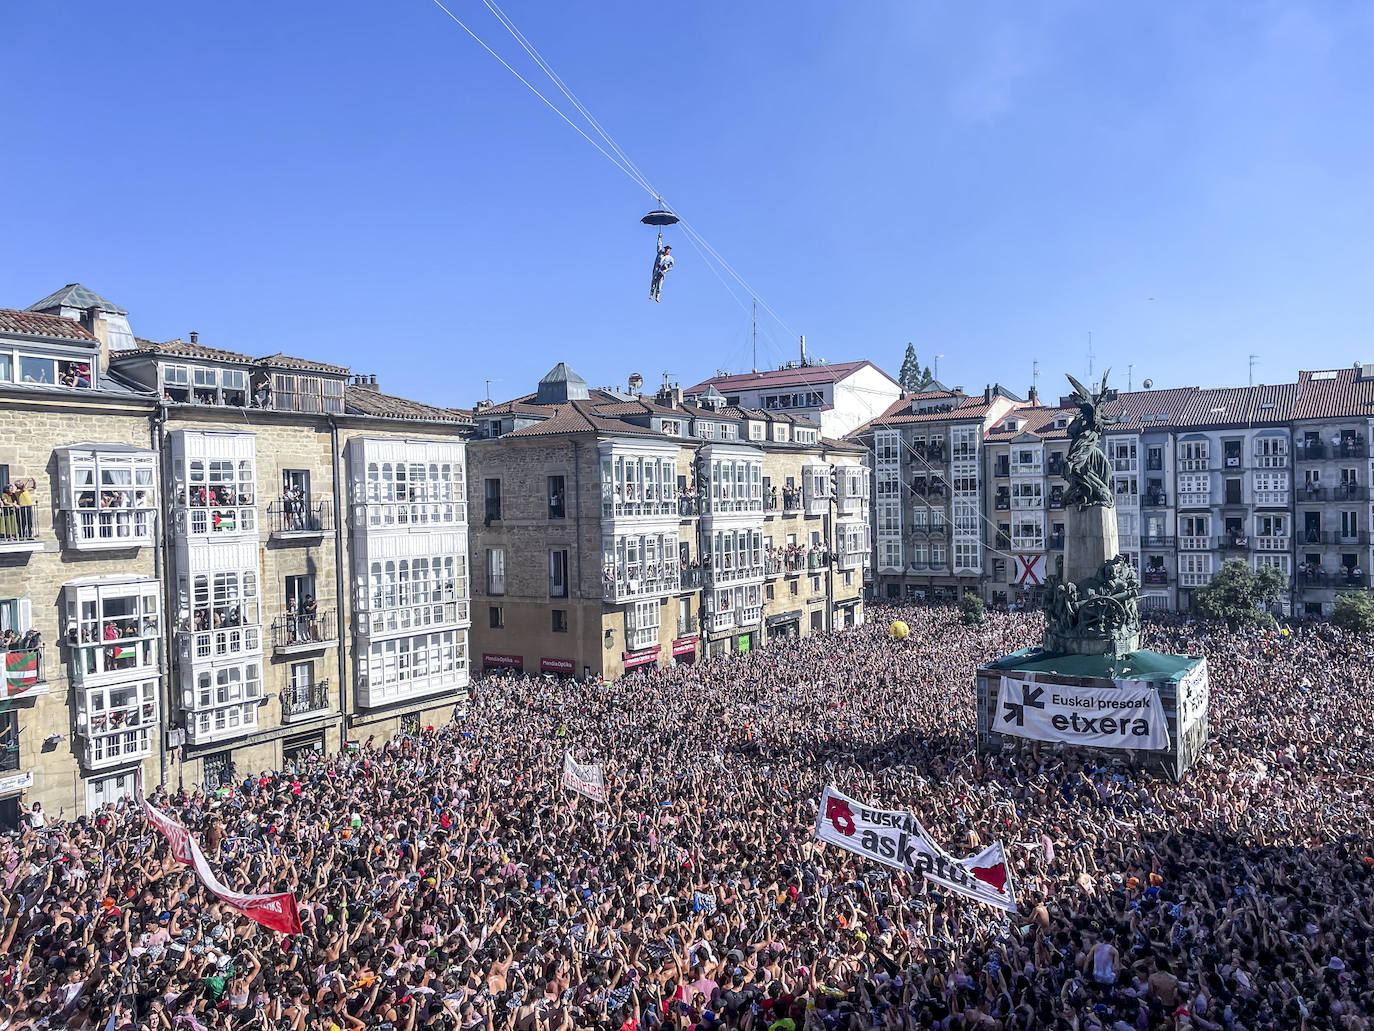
pixel 635 382
pixel 1148 384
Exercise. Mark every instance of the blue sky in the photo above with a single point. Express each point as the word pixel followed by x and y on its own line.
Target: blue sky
pixel 360 182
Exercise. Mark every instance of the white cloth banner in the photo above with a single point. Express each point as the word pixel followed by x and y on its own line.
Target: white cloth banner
pixel 585 780
pixel 898 839
pixel 1128 716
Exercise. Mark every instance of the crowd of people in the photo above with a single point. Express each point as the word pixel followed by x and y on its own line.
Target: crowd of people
pixel 447 881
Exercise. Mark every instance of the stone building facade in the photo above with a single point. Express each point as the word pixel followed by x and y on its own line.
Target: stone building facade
pixel 619 532
pixel 200 542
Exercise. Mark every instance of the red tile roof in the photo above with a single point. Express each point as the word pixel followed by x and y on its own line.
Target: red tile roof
pixel 1344 395
pixel 899 413
pixel 31 324
pixel 371 401
pixel 285 361
pixel 581 417
pixel 1037 421
pixel 802 376
pixel 182 349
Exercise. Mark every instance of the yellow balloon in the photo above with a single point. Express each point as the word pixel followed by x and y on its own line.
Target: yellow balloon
pixel 899 631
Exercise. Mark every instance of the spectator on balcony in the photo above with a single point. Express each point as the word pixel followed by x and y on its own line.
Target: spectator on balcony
pixel 310 615
pixel 292 621
pixel 1355 575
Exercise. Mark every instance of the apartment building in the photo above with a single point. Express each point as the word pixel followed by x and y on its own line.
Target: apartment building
pixel 192 534
pixel 839 396
pixel 1276 475
pixel 621 532
pixel 929 491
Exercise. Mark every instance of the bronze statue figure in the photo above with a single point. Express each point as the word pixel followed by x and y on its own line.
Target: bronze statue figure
pixel 1086 467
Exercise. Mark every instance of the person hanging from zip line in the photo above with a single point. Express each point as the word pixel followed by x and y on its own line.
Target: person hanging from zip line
pixel 662 263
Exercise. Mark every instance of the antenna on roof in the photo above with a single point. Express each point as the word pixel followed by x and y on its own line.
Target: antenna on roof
pixel 488 391
pixel 1253 358
pixel 1091 356
pixel 1130 371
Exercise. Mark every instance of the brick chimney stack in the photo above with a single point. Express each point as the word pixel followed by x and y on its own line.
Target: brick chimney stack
pixel 94 321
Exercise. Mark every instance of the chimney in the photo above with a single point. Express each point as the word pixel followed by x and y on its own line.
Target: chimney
pixel 669 395
pixel 372 381
pixel 987 394
pixel 195 337
pixel 1033 395
pixel 94 321
pixel 803 350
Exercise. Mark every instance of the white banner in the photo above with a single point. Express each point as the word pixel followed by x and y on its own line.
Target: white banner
pixel 898 839
pixel 585 780
pixel 1127 716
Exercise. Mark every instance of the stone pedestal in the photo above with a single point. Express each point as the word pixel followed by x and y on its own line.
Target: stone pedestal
pixel 1090 539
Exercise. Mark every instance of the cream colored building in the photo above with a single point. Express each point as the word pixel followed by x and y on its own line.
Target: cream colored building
pixel 231 561
pixel 620 532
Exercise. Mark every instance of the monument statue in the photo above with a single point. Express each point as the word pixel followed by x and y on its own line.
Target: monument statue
pixel 1092 599
pixel 1089 472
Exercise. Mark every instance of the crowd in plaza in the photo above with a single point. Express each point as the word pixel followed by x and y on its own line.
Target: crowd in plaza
pixel 446 880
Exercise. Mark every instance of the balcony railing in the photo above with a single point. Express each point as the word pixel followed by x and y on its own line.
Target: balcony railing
pixel 1196 543
pixel 928 490
pixel 1154 540
pixel 1001 468
pixel 110 527
pixel 1154 499
pixel 1154 465
pixel 616 591
pixel 1028 544
pixel 1056 499
pixel 621 508
pixel 19 528
pixel 1335 537
pixel 687 625
pixel 291 517
pixel 713 577
pixel 688 505
pixel 778 563
pixel 1320 580
pixel 1235 542
pixel 1341 492
pixel 218 520
pixel 1031 501
pixel 1318 451
pixel 25 672
pixel 303 632
pixel 1272 543
pixel 389 515
pixel 1002 503
pixel 220 643
pixel 425 616
pixel 1056 541
pixel 1155 577
pixel 302 701
pixel 9 758
pixel 690 578
pixel 1055 467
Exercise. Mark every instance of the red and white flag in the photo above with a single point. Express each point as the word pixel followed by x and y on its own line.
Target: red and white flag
pixel 277 911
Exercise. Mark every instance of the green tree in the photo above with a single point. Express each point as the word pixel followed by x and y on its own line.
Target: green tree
pixel 1355 612
pixel 1240 596
pixel 971 609
pixel 911 378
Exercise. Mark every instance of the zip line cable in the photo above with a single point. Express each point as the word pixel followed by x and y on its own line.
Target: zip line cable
pixel 615 154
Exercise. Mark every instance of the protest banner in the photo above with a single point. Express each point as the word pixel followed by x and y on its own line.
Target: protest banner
pixel 898 839
pixel 277 911
pixel 1126 716
pixel 584 779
